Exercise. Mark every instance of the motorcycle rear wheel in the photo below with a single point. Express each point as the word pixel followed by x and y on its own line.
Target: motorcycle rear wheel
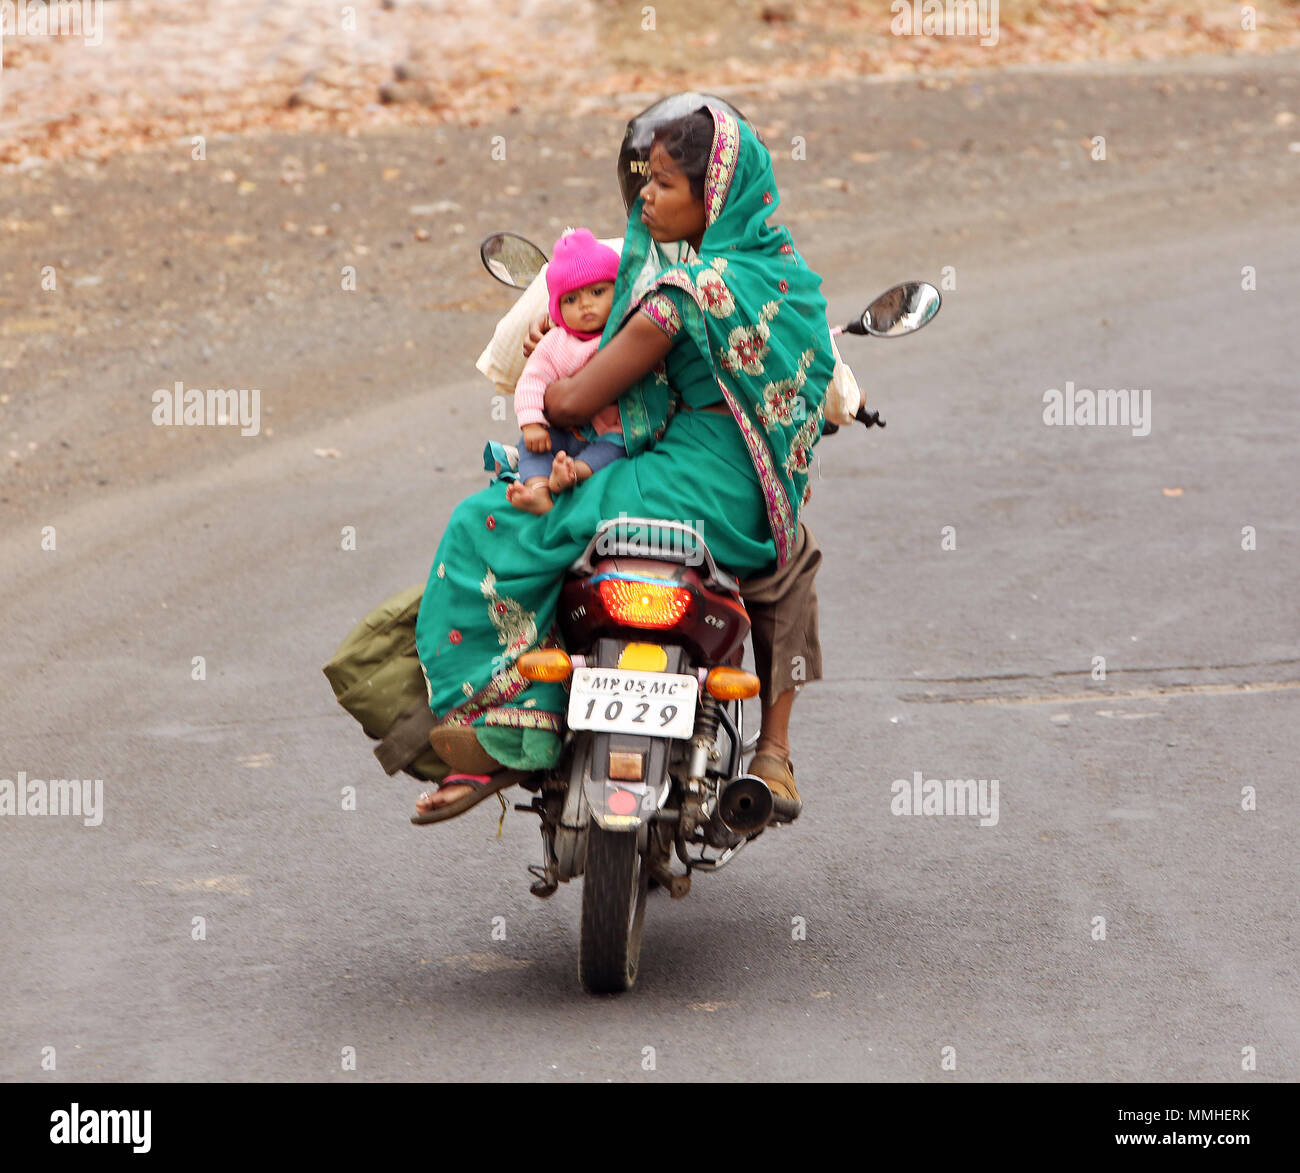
pixel 614 885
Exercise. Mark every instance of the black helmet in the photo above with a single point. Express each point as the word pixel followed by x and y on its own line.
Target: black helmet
pixel 635 152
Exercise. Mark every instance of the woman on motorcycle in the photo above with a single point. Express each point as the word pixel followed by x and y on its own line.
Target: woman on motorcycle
pixel 718 353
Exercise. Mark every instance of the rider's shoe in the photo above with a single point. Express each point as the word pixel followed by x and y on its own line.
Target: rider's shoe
pixel 778 772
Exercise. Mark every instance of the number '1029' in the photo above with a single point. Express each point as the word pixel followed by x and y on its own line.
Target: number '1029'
pixel 614 710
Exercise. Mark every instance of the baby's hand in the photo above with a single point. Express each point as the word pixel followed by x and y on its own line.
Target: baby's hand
pixel 539 327
pixel 536 438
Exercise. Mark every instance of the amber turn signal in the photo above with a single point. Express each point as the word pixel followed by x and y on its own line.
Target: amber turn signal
pixel 731 684
pixel 545 664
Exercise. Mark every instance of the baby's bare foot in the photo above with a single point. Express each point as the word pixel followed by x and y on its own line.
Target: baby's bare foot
pixel 564 473
pixel 531 496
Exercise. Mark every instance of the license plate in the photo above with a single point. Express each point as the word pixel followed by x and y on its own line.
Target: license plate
pixel 619 700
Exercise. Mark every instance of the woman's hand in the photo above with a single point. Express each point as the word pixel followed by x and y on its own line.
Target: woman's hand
pixel 535 331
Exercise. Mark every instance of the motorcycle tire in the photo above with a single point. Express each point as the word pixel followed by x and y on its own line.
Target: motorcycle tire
pixel 614 885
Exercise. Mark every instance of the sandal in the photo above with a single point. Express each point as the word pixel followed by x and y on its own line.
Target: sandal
pixel 778 772
pixel 484 786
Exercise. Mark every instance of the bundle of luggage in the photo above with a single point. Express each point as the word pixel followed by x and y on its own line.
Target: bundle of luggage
pixel 376 676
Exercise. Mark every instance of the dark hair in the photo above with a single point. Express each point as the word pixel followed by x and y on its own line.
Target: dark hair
pixel 688 141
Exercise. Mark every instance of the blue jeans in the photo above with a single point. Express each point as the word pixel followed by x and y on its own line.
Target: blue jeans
pixel 596 455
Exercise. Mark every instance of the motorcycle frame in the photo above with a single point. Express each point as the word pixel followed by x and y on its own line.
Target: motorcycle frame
pixel 691 770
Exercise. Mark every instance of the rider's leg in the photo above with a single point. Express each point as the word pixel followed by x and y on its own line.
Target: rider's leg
pixel 459 748
pixel 787 653
pixel 787 648
pixel 774 736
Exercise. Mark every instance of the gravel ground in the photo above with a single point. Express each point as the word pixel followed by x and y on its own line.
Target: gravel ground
pixel 148 71
pixel 228 272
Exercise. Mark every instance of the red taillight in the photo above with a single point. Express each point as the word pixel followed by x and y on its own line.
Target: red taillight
pixel 644 604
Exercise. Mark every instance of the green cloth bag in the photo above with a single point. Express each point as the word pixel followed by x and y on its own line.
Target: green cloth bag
pixel 376 676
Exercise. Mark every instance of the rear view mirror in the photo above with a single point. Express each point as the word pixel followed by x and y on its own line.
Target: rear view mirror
pixel 512 259
pixel 904 309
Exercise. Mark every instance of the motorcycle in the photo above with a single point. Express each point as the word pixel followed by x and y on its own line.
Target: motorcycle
pixel 654 634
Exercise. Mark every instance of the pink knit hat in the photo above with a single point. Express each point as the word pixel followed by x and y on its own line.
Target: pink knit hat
pixel 580 259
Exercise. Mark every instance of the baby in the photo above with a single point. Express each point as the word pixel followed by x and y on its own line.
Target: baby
pixel 580 280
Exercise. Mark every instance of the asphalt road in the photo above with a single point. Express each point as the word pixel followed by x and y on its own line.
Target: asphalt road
pixel 1122 798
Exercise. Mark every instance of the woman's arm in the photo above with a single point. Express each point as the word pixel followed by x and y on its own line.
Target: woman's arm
pixel 631 354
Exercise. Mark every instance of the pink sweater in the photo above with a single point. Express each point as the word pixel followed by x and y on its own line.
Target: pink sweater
pixel 558 355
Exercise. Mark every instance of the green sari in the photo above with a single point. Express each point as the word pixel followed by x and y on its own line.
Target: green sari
pixel 748 323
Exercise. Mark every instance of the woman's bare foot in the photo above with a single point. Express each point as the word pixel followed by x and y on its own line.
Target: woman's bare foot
pixel 532 496
pixel 432 800
pixel 564 473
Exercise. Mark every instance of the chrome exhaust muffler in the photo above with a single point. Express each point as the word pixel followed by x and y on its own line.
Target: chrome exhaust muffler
pixel 744 806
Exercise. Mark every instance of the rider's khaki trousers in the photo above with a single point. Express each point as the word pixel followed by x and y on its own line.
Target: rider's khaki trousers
pixel 783 610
